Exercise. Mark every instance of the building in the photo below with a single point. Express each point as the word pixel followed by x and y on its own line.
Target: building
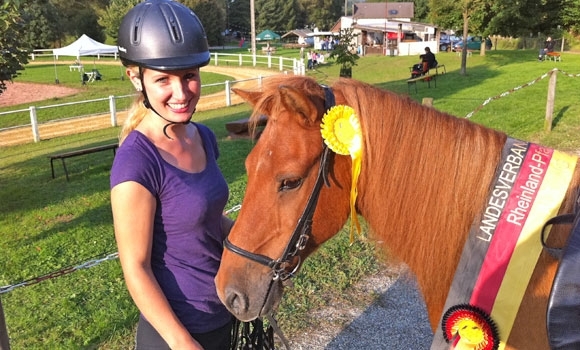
pixel 298 36
pixel 386 28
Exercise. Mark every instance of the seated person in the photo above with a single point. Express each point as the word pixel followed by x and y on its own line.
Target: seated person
pixel 429 58
pixel 548 47
pixel 428 61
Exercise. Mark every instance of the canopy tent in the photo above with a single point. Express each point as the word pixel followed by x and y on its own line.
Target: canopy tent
pixel 267 35
pixel 85 46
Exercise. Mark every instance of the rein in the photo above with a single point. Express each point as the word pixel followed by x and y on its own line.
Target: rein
pixel 303 228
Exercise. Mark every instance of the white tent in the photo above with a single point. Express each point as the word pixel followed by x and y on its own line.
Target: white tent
pixel 85 46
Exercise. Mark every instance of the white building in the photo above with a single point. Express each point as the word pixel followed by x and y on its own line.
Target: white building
pixel 386 28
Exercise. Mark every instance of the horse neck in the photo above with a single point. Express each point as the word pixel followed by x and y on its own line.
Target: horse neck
pixel 425 177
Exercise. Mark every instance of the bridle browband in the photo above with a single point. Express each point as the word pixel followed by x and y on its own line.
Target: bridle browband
pixel 303 228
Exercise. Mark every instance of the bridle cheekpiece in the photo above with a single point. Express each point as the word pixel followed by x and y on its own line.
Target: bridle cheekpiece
pixel 303 228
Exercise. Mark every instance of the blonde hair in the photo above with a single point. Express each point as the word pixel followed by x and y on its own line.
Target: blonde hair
pixel 136 113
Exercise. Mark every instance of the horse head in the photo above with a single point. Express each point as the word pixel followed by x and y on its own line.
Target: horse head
pixel 283 170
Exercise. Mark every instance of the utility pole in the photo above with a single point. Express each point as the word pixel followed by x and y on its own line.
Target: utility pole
pixel 253 27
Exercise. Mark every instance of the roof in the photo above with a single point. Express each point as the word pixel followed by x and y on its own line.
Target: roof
pixel 384 10
pixel 297 32
pixel 393 26
pixel 267 35
pixel 85 46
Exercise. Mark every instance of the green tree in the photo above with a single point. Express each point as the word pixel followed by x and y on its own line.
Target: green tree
pixel 212 14
pixel 13 54
pixel 472 16
pixel 113 14
pixel 78 17
pixel 323 14
pixel 40 19
pixel 421 10
pixel 516 18
pixel 239 16
pixel 276 15
pixel 344 53
pixel 571 15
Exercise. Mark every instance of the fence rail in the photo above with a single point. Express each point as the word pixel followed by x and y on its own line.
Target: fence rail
pixel 286 65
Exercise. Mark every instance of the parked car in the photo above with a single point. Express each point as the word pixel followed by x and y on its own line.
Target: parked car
pixel 473 43
pixel 446 41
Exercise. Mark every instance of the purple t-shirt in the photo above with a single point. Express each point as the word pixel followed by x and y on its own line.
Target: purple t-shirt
pixel 187 234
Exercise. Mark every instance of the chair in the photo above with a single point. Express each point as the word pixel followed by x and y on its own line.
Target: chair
pixel 97 75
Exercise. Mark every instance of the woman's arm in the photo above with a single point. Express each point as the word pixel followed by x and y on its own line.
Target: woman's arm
pixel 133 212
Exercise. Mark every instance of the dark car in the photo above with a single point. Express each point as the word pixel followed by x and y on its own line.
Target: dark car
pixel 473 43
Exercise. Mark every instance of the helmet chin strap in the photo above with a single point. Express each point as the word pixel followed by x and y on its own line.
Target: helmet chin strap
pixel 147 105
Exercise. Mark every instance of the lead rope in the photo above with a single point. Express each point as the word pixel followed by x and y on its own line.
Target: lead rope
pixel 252 335
pixel 278 331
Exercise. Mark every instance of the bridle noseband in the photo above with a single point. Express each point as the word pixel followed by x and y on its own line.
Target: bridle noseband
pixel 303 228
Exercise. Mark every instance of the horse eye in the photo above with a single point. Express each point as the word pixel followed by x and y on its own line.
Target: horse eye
pixel 290 184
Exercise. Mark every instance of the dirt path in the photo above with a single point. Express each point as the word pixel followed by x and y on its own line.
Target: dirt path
pixel 25 92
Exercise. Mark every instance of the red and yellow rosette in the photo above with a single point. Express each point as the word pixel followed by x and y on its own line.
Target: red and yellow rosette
pixel 342 133
pixel 469 328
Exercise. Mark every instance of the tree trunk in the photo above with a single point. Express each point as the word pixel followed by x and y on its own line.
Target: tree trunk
pixel 345 72
pixel 464 48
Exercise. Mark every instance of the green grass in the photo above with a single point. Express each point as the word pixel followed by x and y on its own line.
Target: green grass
pixel 48 224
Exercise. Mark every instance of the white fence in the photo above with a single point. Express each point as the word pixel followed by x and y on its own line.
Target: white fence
pixel 417 48
pixel 218 58
pixel 286 65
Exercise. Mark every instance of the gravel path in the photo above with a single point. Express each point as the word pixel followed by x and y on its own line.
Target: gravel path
pixel 396 318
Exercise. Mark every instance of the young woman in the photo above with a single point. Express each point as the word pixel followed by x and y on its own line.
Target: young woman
pixel 167 192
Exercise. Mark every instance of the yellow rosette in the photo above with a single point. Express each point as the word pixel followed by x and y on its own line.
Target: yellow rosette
pixel 342 133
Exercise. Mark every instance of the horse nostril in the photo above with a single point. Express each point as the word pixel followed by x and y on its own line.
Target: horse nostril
pixel 236 302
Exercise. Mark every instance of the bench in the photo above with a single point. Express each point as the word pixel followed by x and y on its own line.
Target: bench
pixel 76 67
pixel 469 53
pixel 240 128
pixel 440 66
pixel 80 152
pixel 554 56
pixel 272 49
pixel 427 77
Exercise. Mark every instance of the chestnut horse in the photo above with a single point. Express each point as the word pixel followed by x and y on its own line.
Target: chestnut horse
pixel 425 177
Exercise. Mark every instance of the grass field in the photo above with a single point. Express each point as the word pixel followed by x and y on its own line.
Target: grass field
pixel 47 225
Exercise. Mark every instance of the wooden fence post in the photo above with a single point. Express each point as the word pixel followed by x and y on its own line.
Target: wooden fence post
pixel 550 100
pixel 4 341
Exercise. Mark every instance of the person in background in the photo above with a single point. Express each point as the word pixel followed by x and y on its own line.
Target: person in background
pixel 548 47
pixel 310 61
pixel 167 191
pixel 429 58
pixel 428 61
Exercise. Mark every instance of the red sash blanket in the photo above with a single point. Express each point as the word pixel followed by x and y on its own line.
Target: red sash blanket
pixel 503 246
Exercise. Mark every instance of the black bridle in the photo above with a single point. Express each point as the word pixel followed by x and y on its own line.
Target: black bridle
pixel 303 228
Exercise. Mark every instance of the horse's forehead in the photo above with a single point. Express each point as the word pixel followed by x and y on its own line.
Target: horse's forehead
pixel 286 142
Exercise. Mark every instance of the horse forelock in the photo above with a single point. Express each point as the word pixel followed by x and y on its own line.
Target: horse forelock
pixel 273 92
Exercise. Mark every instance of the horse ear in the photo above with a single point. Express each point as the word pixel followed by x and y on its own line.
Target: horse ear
pixel 296 101
pixel 249 96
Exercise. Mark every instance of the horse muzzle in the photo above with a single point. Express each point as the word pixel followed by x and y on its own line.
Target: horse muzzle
pixel 247 292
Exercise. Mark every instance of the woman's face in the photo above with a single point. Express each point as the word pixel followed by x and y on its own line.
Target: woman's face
pixel 173 94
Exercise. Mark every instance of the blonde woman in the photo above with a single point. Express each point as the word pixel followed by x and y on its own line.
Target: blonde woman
pixel 167 192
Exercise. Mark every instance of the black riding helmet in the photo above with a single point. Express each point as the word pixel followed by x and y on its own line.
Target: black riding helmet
pixel 162 35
